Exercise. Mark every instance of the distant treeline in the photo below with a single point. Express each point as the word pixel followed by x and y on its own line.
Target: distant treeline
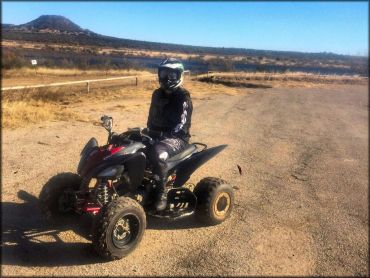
pixel 106 41
pixel 21 58
pixel 89 58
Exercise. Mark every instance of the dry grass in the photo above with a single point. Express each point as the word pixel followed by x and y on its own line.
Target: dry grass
pixel 288 79
pixel 24 107
pixel 27 77
pixel 57 72
pixel 22 113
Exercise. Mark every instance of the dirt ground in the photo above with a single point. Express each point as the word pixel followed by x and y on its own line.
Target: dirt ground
pixel 301 202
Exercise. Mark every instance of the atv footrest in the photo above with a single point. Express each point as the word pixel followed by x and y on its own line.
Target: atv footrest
pixel 181 202
pixel 170 214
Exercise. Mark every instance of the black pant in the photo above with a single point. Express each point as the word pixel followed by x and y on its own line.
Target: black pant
pixel 161 151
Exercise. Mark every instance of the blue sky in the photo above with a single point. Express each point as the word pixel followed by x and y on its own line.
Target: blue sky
pixel 339 27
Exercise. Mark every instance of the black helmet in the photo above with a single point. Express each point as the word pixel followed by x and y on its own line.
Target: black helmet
pixel 170 73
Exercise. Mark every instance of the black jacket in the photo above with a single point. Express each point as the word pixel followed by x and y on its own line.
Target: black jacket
pixel 171 113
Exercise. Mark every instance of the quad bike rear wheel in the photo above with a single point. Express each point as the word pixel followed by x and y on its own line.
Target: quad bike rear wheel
pixel 215 200
pixel 55 197
pixel 118 228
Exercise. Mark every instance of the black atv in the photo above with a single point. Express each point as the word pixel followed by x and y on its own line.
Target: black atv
pixel 115 183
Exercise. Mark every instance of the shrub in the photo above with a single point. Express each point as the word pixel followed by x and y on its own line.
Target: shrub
pixel 12 60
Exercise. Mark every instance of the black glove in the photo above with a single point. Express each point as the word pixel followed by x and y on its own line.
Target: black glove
pixel 145 131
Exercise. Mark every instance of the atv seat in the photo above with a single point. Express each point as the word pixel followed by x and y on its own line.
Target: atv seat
pixel 186 153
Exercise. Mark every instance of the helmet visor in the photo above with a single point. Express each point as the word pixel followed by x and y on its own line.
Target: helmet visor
pixel 168 74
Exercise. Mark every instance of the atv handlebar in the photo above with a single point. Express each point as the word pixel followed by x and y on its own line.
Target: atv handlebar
pixel 114 138
pixel 136 134
pixel 150 139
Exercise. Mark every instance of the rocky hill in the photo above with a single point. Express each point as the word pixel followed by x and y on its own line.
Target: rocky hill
pixel 48 24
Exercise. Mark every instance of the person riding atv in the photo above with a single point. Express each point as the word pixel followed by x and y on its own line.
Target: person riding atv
pixel 140 172
pixel 169 122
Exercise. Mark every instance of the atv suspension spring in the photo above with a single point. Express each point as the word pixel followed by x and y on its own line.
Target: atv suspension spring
pixel 102 195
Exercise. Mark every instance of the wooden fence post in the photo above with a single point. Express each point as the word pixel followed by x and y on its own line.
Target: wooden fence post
pixel 88 87
pixel 136 80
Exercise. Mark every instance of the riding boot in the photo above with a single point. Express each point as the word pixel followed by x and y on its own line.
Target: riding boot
pixel 161 202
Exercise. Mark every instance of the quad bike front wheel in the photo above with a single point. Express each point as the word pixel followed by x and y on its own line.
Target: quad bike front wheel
pixel 118 228
pixel 55 197
pixel 215 200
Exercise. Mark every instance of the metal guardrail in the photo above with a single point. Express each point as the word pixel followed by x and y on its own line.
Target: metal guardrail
pixel 87 82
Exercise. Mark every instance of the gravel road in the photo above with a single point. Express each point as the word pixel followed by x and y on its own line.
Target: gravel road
pixel 301 201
